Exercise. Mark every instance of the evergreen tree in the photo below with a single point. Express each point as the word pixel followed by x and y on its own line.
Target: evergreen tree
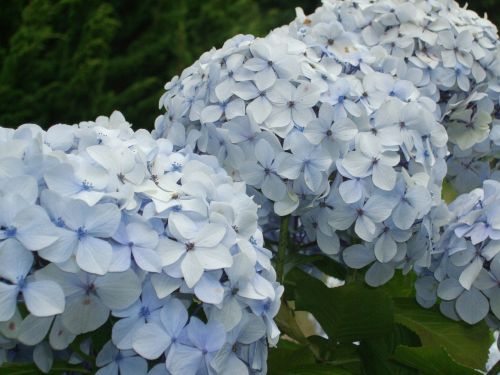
pixel 70 60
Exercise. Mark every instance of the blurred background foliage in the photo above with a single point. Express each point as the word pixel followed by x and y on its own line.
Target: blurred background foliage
pixel 72 60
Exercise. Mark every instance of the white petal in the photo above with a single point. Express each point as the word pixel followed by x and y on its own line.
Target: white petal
pixel 342 218
pixel 118 290
pixel 191 269
pixel 235 108
pixel 8 299
pixel 351 191
pixel 357 164
pixel 15 261
pixel 147 259
pixel 34 329
pixel 150 341
pixel 280 117
pixel 84 314
pixel 209 289
pixel 471 272
pixel 265 78
pixel 170 251
pixel 289 166
pixel 44 298
pixel 165 285
pixel 210 235
pixel 43 357
pixel 273 187
pixel 103 220
pixel 384 177
pixel 94 255
pixel 211 113
pixel 259 109
pixel 59 336
pixel 385 248
pixel 214 258
pixel 183 360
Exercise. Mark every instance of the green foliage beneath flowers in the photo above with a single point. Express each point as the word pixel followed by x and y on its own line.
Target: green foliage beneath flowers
pixel 371 331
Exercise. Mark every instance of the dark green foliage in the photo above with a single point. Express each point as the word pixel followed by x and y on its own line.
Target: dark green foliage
pixel 392 334
pixel 71 60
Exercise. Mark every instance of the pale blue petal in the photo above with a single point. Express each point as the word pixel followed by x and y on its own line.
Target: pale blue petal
pixel 191 269
pixel 118 290
pixel 33 330
pixel 165 285
pixel 449 289
pixel 124 330
pixel 174 317
pixel 472 306
pixel 379 273
pixel 183 360
pixel 102 220
pixel 133 366
pixel 15 261
pixel 471 272
pixel 43 357
pixel 44 298
pixel 209 290
pixel 84 314
pixel 150 341
pixel 358 256
pixel 94 255
pixel 385 248
pixel 60 337
pixel 8 299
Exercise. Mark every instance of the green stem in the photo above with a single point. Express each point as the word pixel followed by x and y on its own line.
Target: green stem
pixel 282 248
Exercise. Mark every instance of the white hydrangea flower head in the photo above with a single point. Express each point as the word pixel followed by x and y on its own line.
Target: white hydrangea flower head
pixel 98 220
pixel 370 99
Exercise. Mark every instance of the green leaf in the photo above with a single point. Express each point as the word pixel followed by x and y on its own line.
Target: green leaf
pixel 288 325
pixel 400 285
pixel 431 361
pixel 467 345
pixel 331 267
pixel 377 353
pixel 288 355
pixel 448 193
pixel 294 359
pixel 348 313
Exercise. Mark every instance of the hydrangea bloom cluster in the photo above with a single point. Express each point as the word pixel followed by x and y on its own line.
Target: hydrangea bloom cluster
pixel 346 119
pixel 465 271
pixel 101 226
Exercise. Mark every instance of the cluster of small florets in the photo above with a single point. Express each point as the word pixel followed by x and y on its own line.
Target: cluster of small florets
pixel 104 228
pixel 345 119
pixel 465 271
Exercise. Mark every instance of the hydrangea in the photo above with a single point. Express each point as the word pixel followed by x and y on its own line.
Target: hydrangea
pixel 348 119
pixel 98 221
pixel 362 117
pixel 466 261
